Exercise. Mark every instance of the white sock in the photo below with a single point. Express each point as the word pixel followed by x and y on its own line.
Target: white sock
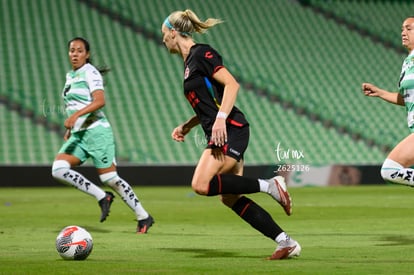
pixel 282 237
pixel 394 172
pixel 61 171
pixel 125 191
pixel 264 185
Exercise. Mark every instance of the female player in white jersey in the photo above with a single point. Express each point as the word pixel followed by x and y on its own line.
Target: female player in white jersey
pixel 89 134
pixel 397 166
pixel 212 90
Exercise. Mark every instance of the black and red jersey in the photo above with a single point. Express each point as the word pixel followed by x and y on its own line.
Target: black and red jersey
pixel 202 91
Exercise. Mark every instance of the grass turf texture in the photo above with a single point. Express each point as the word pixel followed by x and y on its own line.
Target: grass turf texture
pixel 342 230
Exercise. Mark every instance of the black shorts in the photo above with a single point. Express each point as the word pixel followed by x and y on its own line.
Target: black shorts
pixel 237 141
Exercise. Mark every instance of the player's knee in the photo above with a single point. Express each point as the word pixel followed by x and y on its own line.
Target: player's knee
pixel 111 179
pixel 59 167
pixel 201 187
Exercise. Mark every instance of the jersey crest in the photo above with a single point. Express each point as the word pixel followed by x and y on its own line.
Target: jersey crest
pixel 186 72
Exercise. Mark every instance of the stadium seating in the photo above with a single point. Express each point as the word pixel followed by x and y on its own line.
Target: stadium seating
pixel 25 142
pixel 380 18
pixel 300 73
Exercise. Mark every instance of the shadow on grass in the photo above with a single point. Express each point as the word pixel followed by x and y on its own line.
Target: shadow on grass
pixel 208 253
pixel 396 240
pixel 389 240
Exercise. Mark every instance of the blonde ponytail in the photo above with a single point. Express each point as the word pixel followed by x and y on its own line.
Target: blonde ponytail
pixel 187 22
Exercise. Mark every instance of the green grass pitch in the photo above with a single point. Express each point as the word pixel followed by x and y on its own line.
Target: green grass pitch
pixel 342 230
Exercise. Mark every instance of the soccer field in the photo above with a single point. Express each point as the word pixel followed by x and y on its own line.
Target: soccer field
pixel 342 230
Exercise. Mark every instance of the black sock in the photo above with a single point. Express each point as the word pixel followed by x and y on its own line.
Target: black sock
pixel 232 184
pixel 257 217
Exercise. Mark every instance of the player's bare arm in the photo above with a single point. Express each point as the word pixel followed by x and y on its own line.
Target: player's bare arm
pixel 97 103
pixel 180 131
pixel 373 91
pixel 231 88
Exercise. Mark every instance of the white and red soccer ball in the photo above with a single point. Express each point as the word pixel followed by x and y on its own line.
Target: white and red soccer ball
pixel 74 243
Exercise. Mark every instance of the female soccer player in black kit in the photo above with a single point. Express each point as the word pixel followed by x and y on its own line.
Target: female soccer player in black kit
pixel 212 90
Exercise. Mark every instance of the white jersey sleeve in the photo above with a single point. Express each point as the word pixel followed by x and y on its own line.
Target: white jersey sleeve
pixel 94 80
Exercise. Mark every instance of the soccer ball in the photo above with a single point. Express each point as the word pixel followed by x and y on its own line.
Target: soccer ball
pixel 74 243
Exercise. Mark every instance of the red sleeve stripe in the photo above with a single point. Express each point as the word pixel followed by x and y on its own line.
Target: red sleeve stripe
pixel 216 69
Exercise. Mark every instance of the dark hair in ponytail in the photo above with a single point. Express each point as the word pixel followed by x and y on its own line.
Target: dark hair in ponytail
pixel 102 69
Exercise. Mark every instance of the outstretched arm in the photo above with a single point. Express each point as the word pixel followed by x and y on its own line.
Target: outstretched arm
pixel 373 91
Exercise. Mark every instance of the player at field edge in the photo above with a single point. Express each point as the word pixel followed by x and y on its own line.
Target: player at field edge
pixel 397 166
pixel 212 91
pixel 89 135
